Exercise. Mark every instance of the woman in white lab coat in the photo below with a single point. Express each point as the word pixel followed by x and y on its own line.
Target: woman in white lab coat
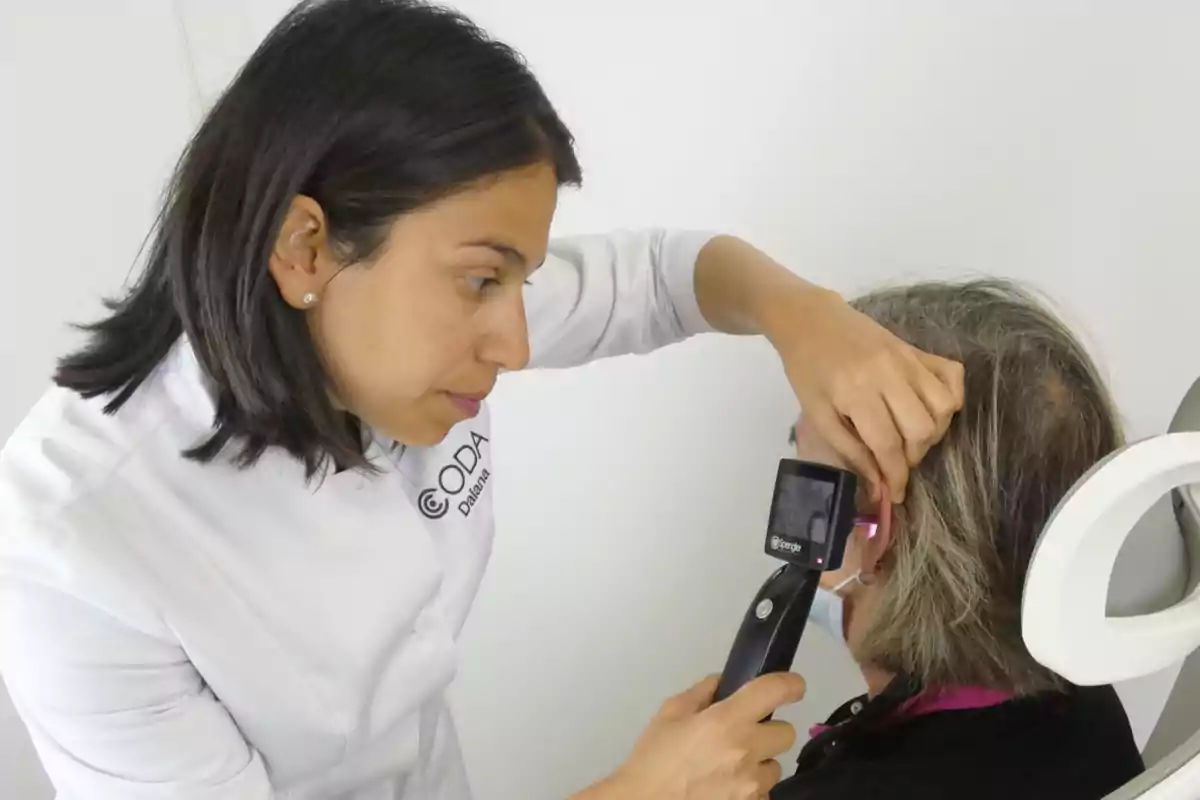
pixel 240 536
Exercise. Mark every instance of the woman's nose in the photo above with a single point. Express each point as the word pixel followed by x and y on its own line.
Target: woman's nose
pixel 507 343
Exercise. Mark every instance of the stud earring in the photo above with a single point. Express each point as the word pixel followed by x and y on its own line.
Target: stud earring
pixel 308 299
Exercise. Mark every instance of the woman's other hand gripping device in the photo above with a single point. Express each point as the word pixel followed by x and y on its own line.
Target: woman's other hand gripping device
pixel 812 515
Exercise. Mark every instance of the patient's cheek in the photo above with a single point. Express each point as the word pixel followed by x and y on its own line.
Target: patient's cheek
pixel 860 609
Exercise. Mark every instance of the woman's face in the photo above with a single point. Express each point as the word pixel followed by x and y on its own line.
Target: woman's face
pixel 414 340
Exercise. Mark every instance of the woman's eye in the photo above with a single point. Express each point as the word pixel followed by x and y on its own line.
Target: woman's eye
pixel 480 284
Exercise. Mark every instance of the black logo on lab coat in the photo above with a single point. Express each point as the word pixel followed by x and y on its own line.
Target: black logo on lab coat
pixel 459 484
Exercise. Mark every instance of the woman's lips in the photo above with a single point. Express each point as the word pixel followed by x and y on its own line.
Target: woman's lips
pixel 467 404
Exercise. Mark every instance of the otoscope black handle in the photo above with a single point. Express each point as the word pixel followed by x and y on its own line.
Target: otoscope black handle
pixel 771 630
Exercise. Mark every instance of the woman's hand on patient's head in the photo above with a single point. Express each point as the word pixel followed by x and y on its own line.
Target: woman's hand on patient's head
pixel 880 402
pixel 697 750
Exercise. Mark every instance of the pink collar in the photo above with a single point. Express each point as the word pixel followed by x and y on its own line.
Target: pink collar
pixel 946 698
pixel 952 698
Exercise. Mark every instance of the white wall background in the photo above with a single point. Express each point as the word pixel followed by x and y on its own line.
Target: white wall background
pixel 1052 141
pixel 95 101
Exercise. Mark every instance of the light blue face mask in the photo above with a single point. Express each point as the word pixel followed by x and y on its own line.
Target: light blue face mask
pixel 828 610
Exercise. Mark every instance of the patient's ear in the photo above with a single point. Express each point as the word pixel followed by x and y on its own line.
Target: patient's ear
pixel 876 539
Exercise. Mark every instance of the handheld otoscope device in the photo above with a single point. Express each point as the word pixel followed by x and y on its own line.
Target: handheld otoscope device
pixel 812 515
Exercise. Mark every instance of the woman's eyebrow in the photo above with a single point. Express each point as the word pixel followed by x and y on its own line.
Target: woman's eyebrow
pixel 508 252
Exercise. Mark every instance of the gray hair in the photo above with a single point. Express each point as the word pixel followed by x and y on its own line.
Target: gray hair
pixel 1036 417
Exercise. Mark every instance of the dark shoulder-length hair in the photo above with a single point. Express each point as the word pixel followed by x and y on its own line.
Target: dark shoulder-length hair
pixel 372 108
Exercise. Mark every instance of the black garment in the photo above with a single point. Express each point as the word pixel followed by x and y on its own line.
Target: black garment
pixel 1072 746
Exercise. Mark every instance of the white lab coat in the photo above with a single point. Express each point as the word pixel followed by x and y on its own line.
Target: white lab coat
pixel 177 630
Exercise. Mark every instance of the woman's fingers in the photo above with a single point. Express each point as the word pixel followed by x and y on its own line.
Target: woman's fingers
pixel 879 402
pixel 843 438
pixel 873 422
pixel 691 701
pixel 912 418
pixel 762 697
pixel 945 396
pixel 772 739
pixel 769 773
pixel 894 421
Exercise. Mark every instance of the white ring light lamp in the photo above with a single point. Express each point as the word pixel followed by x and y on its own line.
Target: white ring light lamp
pixel 1063 613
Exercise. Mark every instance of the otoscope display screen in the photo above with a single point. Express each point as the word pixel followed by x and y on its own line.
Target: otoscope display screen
pixel 803 508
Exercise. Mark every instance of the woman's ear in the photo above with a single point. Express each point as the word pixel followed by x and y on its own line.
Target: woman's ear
pixel 299 260
pixel 876 542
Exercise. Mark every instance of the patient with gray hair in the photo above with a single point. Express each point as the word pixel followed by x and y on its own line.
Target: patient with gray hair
pixel 928 600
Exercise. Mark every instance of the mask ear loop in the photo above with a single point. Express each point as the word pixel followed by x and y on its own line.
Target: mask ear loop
pixel 846 581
